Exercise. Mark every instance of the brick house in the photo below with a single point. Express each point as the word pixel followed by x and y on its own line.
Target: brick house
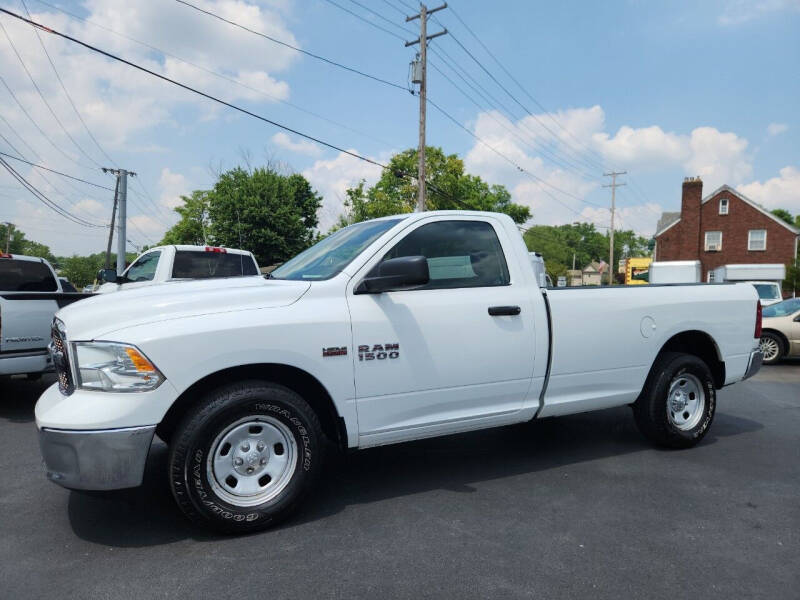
pixel 723 228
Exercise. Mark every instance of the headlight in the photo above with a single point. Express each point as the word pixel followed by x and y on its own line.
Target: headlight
pixel 113 367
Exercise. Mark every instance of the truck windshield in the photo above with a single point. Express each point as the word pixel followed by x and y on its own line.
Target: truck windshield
pixel 328 257
pixel 768 291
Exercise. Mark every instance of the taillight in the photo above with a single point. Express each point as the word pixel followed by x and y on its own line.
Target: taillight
pixel 216 249
pixel 758 320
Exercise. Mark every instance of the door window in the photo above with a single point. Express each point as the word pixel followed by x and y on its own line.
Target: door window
pixel 144 269
pixel 460 254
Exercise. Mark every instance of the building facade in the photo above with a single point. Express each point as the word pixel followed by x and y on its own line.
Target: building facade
pixel 723 228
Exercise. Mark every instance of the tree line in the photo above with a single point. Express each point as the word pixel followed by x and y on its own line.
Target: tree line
pixel 273 214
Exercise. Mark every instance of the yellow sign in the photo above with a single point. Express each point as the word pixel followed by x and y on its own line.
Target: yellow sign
pixel 637 271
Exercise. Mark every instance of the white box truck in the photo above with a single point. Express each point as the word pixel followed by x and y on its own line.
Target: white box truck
pixel 766 278
pixel 675 271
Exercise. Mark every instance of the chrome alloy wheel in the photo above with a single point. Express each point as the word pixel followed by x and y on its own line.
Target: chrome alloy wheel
pixel 686 402
pixel 252 461
pixel 769 348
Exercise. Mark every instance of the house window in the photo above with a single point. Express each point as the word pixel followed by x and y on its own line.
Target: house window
pixel 710 276
pixel 713 241
pixel 757 239
pixel 723 206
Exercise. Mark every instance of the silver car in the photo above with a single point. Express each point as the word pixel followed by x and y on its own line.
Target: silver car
pixel 780 334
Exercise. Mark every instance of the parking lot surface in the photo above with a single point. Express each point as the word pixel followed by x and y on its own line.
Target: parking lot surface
pixel 579 506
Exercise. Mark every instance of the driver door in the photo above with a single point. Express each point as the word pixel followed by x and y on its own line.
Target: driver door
pixel 142 271
pixel 433 359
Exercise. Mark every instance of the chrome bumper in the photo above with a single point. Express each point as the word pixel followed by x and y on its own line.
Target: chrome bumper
pixel 754 366
pixel 105 459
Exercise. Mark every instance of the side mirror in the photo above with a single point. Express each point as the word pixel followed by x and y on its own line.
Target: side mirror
pixel 396 274
pixel 109 276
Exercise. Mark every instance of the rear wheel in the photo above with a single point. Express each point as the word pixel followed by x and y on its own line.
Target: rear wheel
pixel 677 404
pixel 771 346
pixel 246 458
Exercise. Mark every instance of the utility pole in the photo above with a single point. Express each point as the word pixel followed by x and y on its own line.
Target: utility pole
pixel 9 227
pixel 111 229
pixel 613 185
pixel 422 79
pixel 122 194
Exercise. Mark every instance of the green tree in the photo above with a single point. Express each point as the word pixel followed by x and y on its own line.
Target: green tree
pixel 784 214
pixel 559 244
pixel 449 188
pixel 261 210
pixel 191 228
pixel 19 244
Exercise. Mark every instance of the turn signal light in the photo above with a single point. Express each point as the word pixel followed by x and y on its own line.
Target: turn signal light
pixel 139 361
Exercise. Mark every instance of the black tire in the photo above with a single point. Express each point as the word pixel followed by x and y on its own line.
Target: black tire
pixel 651 410
pixel 193 479
pixel 776 339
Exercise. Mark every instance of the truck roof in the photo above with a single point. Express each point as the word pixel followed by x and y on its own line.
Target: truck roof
pixel 189 248
pixel 22 257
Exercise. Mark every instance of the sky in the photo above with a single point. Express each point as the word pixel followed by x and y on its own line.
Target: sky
pixel 549 96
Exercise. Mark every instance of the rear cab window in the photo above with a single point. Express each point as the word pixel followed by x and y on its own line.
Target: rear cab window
pixel 26 276
pixel 206 265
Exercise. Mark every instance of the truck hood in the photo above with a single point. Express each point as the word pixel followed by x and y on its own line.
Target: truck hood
pixel 100 315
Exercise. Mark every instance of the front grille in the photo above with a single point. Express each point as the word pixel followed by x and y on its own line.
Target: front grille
pixel 58 350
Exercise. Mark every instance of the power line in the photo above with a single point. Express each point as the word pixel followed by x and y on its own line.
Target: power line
pixel 191 89
pixel 382 17
pixel 27 162
pixel 219 75
pixel 64 87
pixel 44 100
pixel 295 48
pixel 44 199
pixel 538 180
pixel 524 90
pixel 360 18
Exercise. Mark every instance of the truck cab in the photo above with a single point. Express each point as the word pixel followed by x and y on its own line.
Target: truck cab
pixel 180 262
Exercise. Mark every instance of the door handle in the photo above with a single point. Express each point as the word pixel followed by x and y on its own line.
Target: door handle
pixel 498 311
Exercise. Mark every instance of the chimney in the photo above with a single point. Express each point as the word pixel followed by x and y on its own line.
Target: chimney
pixel 691 198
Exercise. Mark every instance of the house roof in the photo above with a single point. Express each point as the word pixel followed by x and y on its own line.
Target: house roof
pixel 668 219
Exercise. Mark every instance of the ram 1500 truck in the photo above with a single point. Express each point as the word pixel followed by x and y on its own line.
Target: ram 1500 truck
pixel 390 330
pixel 30 294
pixel 177 263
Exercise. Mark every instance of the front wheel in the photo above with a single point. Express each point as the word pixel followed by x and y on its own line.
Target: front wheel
pixel 677 404
pixel 771 347
pixel 246 458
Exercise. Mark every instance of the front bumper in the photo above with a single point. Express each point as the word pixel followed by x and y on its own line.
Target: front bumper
pixel 103 459
pixel 754 366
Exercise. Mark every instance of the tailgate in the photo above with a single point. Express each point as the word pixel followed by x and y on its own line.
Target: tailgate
pixel 26 317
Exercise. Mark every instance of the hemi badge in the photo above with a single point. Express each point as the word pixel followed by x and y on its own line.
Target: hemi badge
pixel 334 351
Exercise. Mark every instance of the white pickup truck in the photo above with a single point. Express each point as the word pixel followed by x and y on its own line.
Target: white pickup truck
pixel 390 330
pixel 177 263
pixel 30 294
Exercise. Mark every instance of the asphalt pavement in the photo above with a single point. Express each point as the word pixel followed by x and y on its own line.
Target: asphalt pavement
pixel 575 507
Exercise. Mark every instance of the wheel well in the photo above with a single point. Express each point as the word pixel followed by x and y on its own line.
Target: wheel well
pixel 701 345
pixel 780 334
pixel 295 379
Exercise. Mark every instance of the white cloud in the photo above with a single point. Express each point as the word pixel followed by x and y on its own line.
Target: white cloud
pixel 774 129
pixel 300 146
pixel 564 160
pixel 173 186
pixel 119 103
pixel 332 177
pixel 737 12
pixel 778 192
